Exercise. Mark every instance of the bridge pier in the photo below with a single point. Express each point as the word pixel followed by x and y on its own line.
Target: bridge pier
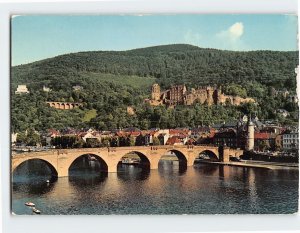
pixel 112 168
pixel 153 166
pixel 224 154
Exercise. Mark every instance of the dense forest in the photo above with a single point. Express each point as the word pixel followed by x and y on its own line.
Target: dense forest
pixel 112 80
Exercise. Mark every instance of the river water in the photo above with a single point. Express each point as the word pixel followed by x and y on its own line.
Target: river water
pixel 172 189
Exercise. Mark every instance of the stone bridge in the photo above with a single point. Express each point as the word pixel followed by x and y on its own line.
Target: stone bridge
pixel 60 160
pixel 64 105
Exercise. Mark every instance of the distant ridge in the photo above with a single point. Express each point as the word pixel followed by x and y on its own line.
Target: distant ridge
pixel 177 63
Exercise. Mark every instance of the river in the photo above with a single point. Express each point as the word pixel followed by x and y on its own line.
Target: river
pixel 172 189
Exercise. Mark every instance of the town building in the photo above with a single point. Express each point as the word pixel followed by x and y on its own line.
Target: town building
pixel 174 141
pixel 77 88
pixel 51 133
pixel 14 138
pixel 130 110
pixel 22 89
pixel 290 139
pixel 293 98
pixel 282 112
pixel 262 141
pixel 226 137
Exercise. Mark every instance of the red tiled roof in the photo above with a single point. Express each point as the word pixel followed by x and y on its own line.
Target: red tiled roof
pixel 212 134
pixel 120 134
pixel 135 133
pixel 82 134
pixel 182 135
pixel 258 135
pixel 178 131
pixel 173 140
pixel 191 141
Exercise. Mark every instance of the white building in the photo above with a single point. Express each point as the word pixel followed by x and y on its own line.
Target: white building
pixel 290 140
pixel 77 88
pixel 22 89
pixel 282 112
pixel 14 138
pixel 46 89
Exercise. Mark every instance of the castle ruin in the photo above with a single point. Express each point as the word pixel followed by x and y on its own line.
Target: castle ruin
pixel 179 95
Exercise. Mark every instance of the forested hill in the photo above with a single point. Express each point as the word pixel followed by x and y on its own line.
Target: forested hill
pixel 170 64
pixel 112 81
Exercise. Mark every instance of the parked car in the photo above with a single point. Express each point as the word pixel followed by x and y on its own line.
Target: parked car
pixel 234 159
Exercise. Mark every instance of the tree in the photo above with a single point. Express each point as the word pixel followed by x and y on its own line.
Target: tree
pixel 263 145
pixel 92 143
pixel 140 140
pixel 79 143
pixel 156 141
pixel 21 138
pixel 105 142
pixel 115 142
pixel 131 141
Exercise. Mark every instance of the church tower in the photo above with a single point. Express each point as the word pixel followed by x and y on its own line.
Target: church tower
pixel 155 94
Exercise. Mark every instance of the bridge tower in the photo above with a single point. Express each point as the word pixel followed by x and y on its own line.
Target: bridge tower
pixel 250 136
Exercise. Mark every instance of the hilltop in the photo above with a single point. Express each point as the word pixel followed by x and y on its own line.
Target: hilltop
pixel 179 63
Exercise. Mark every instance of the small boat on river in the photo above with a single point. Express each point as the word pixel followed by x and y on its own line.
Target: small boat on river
pixel 36 211
pixel 130 161
pixel 30 204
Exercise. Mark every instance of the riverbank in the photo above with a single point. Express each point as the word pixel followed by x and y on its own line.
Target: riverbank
pixel 256 164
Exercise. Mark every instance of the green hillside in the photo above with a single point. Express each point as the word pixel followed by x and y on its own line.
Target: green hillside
pixel 113 80
pixel 169 64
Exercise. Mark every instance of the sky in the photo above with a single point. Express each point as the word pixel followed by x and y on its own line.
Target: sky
pixel 42 36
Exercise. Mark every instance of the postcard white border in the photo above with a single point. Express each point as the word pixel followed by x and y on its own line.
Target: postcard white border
pixel 74 224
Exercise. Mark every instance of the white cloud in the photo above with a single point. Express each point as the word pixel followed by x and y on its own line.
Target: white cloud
pixel 236 30
pixel 193 38
pixel 231 37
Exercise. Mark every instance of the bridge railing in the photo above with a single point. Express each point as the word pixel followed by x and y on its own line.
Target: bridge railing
pixel 112 149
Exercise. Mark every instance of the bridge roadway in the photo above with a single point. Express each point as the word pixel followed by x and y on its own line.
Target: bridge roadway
pixel 60 160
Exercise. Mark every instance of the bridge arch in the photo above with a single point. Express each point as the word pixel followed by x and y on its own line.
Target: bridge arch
pixel 167 164
pixel 89 158
pixel 144 159
pixel 182 157
pixel 50 165
pixel 208 155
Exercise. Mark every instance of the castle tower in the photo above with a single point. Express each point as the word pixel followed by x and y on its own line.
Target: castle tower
pixel 155 94
pixel 250 136
pixel 210 92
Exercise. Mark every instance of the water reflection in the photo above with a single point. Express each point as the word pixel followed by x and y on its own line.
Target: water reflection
pixel 170 167
pixel 81 179
pixel 87 171
pixel 206 169
pixel 32 185
pixel 133 172
pixel 202 189
pixel 33 177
